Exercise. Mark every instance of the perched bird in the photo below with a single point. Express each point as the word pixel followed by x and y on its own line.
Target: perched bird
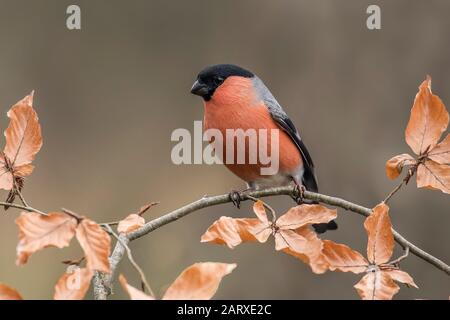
pixel 235 98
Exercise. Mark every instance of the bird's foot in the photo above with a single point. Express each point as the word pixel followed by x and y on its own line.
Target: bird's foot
pixel 235 197
pixel 299 192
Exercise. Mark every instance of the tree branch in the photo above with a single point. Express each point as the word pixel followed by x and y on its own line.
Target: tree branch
pixel 20 194
pixel 144 282
pixel 103 283
pixel 23 207
pixel 402 257
pixel 405 180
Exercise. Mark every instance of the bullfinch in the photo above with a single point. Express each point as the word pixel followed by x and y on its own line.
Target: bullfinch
pixel 235 98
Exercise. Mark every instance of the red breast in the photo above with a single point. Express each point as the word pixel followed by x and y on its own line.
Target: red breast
pixel 235 105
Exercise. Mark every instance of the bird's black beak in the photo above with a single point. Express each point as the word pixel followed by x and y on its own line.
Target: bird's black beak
pixel 199 89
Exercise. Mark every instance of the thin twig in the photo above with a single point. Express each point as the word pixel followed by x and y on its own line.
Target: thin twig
pixel 133 262
pixel 145 208
pixel 402 257
pixel 72 214
pixel 404 181
pixel 141 211
pixel 266 205
pixel 23 207
pixel 76 262
pixel 103 287
pixel 19 193
pixel 111 223
pixel 389 196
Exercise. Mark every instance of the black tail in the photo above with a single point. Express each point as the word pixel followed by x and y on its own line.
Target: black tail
pixel 323 227
pixel 310 183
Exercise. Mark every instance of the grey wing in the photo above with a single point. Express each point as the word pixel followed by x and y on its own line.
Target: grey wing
pixel 282 119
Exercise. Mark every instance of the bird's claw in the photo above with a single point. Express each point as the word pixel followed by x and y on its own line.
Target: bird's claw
pixel 235 198
pixel 299 192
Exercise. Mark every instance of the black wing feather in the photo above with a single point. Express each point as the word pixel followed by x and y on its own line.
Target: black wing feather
pixel 309 178
pixel 281 118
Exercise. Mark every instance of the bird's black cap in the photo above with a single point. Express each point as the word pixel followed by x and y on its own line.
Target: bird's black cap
pixel 213 76
pixel 224 71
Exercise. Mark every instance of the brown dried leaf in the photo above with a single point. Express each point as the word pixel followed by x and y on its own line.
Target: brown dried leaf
pixel 73 285
pixel 8 293
pixel 342 258
pixel 23 135
pixel 401 276
pixel 380 244
pixel 289 239
pixel 96 245
pixel 74 262
pixel 394 166
pixel 428 120
pixel 199 281
pixel 376 285
pixel 441 153
pixel 37 232
pixel 24 170
pixel 261 230
pixel 251 230
pixel 6 177
pixel 144 208
pixel 23 141
pixel 434 176
pixel 260 211
pixel 130 223
pixel 305 214
pixel 258 231
pixel 223 231
pixel 134 293
pixel 311 252
pixel 231 232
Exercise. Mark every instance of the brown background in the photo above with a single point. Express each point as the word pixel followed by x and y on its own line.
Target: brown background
pixel 110 95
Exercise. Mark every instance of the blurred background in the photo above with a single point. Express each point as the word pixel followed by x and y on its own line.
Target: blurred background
pixel 110 95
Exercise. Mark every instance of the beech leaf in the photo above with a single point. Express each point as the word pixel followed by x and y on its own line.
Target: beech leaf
pixel 394 166
pixel 378 282
pixel 199 281
pixel 311 250
pixel 429 119
pixel 441 153
pixel 130 223
pixel 8 293
pixel 292 232
pixel 401 276
pixel 96 245
pixel 376 286
pixel 380 244
pixel 73 285
pixel 342 258
pixel 289 239
pixel 23 142
pixel 305 214
pixel 37 232
pixel 134 293
pixel 260 211
pixel 434 176
pixel 231 232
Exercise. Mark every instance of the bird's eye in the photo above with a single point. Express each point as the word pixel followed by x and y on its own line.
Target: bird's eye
pixel 218 80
